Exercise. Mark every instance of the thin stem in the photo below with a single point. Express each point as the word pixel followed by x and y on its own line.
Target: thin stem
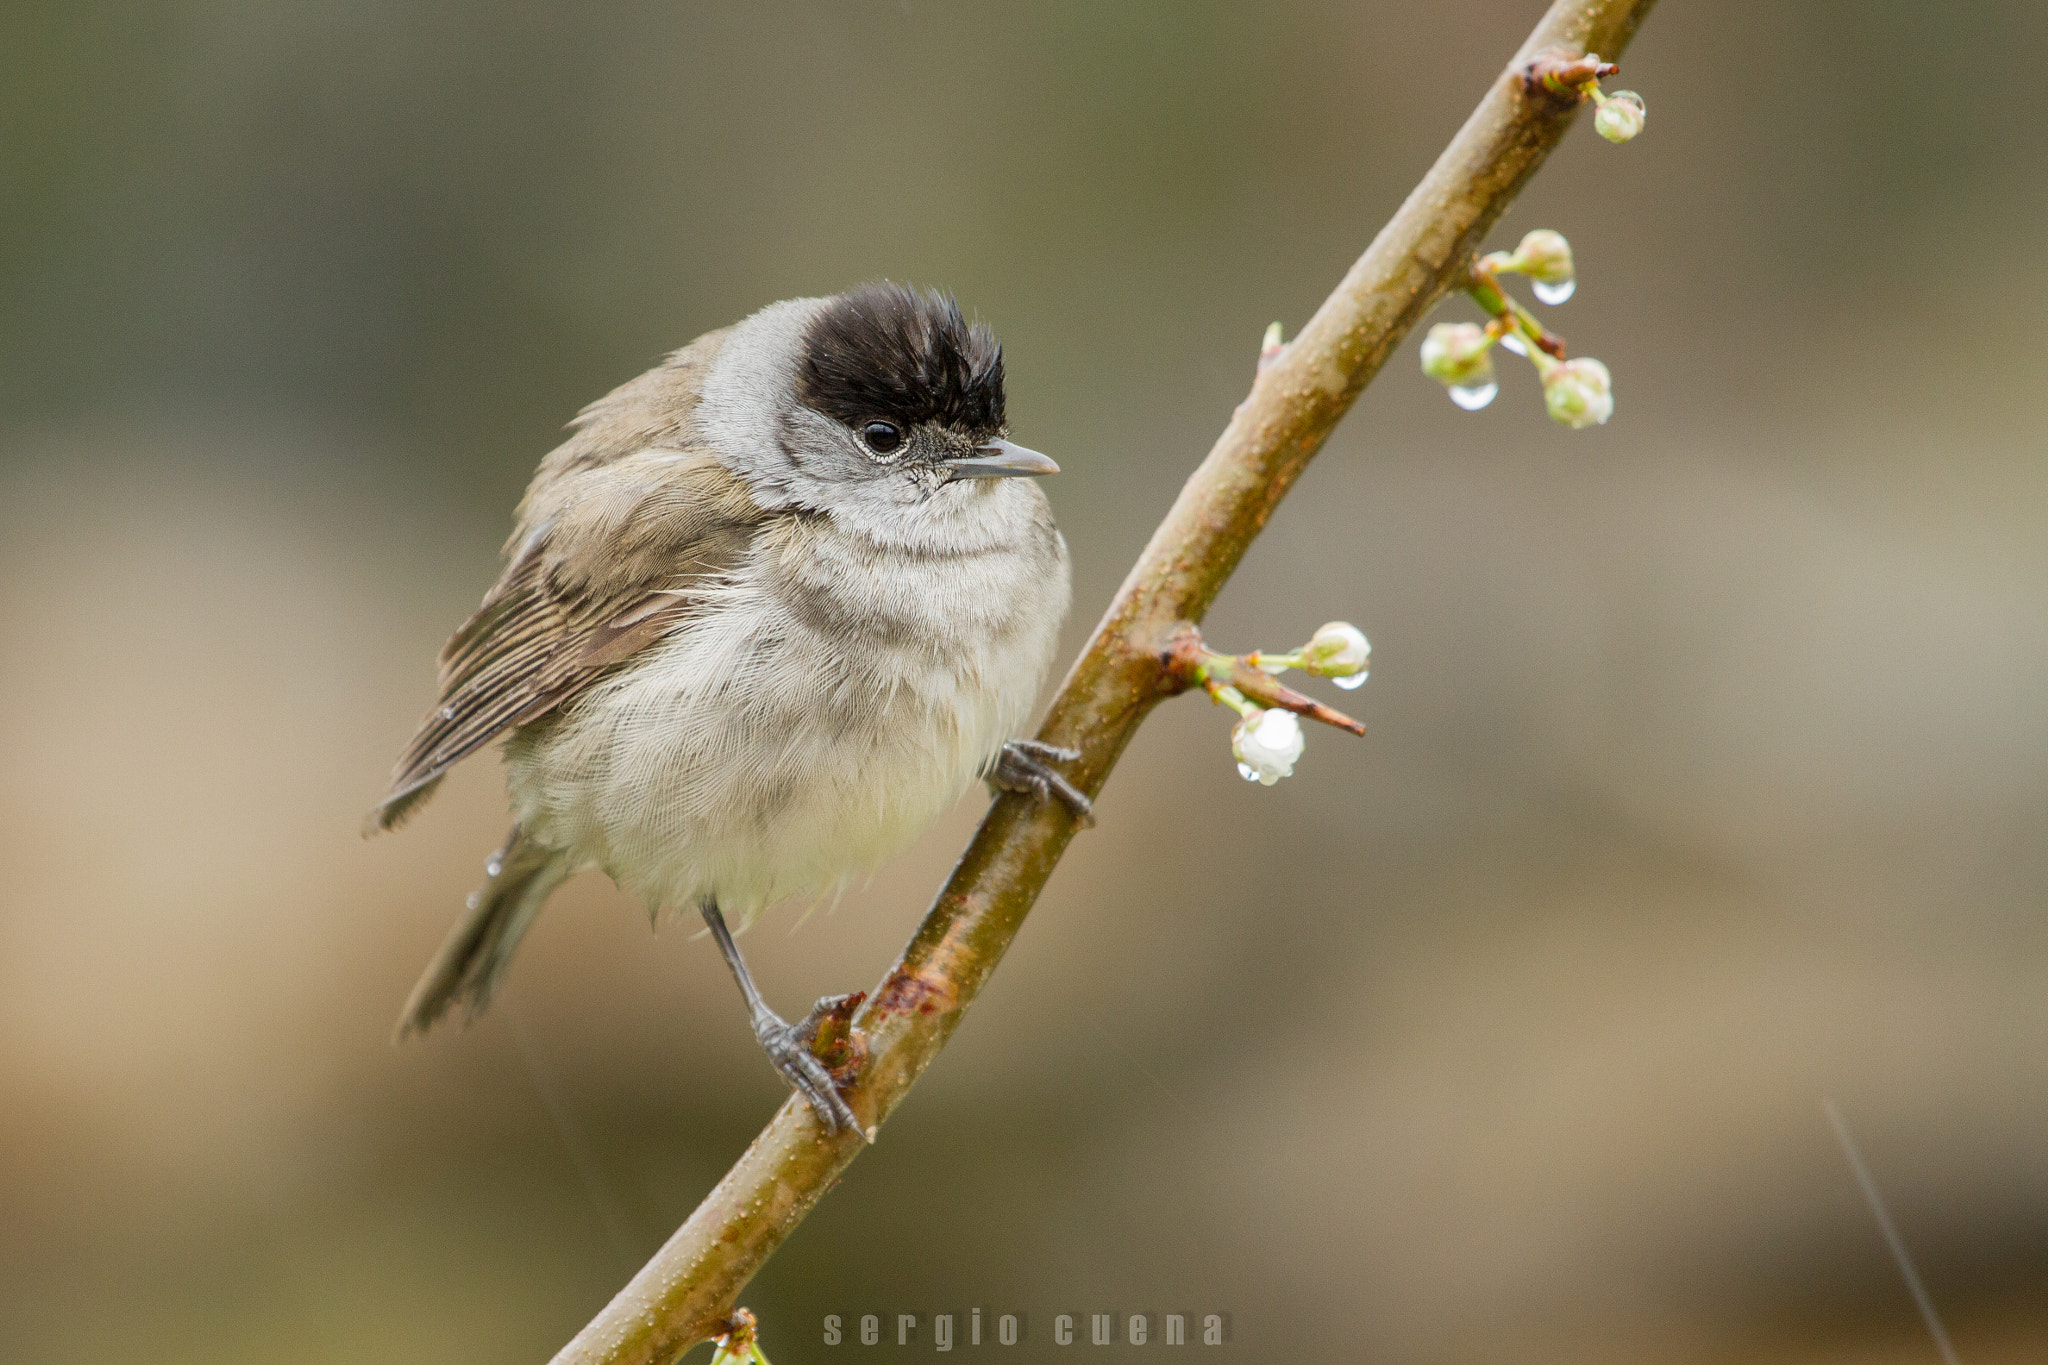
pixel 1509 314
pixel 683 1295
pixel 1223 694
pixel 1539 336
pixel 1239 683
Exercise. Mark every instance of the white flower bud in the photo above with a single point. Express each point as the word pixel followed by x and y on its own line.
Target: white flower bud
pixel 1456 354
pixel 1337 650
pixel 1621 116
pixel 1579 393
pixel 1266 744
pixel 1544 256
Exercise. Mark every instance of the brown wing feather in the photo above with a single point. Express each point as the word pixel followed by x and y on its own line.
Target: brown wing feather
pixel 616 548
pixel 565 611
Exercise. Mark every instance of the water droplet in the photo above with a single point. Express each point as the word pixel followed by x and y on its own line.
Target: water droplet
pixel 1513 343
pixel 493 868
pixel 1554 294
pixel 447 713
pixel 1474 397
pixel 1355 680
pixel 1247 772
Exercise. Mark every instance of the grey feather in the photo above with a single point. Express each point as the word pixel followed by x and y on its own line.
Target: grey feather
pixel 476 952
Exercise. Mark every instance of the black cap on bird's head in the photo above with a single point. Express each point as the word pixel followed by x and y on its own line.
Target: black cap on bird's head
pixel 907 373
pixel 904 355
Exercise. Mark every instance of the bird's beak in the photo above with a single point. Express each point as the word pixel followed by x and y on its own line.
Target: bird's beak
pixel 1002 460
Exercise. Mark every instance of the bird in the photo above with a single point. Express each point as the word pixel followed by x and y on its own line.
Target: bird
pixel 768 610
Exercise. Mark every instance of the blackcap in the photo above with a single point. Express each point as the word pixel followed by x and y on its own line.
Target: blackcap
pixel 772 607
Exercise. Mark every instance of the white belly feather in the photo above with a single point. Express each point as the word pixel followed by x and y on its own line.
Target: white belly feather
pixel 791 739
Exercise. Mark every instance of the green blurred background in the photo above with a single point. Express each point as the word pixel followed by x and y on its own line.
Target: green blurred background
pixel 1707 777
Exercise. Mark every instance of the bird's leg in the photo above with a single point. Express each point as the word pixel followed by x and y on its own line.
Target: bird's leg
pixel 1025 766
pixel 787 1047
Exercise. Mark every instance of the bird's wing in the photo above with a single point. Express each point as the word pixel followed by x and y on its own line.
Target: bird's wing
pixel 616 556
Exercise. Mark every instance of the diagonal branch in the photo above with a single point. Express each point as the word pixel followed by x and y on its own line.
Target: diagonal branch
pixel 683 1295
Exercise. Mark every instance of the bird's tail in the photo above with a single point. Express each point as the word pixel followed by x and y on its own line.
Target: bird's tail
pixel 466 970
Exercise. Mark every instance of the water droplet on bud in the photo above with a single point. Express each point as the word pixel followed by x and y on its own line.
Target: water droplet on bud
pixel 1513 344
pixel 1554 294
pixel 1475 397
pixel 1247 772
pixel 1354 680
pixel 493 868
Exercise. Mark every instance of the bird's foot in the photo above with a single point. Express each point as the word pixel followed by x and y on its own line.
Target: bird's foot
pixel 789 1047
pixel 1025 766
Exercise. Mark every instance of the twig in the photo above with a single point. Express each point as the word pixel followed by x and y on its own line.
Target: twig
pixel 1190 663
pixel 685 1293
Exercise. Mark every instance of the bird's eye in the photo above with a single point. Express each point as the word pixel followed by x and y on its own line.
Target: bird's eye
pixel 882 437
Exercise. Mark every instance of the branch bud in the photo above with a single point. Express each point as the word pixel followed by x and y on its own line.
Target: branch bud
pixel 1267 743
pixel 740 1343
pixel 1271 347
pixel 1579 393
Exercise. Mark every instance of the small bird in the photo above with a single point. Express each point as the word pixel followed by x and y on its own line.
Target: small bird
pixel 770 609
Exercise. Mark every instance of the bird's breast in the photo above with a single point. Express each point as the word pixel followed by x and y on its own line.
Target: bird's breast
pixel 824 707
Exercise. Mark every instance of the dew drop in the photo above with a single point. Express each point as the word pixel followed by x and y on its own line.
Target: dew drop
pixel 1554 294
pixel 1356 680
pixel 447 713
pixel 1474 397
pixel 1513 344
pixel 1247 772
pixel 493 868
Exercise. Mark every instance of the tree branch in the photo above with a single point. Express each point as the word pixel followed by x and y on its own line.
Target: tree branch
pixel 684 1294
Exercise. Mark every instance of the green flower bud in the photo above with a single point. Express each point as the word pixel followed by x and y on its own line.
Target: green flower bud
pixel 1456 354
pixel 1544 256
pixel 1621 116
pixel 1579 393
pixel 1337 650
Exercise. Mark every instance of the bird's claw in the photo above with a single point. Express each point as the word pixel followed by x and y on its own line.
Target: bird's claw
pixel 828 1032
pixel 1025 766
pixel 789 1047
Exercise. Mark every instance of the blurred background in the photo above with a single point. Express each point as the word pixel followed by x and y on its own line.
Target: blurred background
pixel 1708 766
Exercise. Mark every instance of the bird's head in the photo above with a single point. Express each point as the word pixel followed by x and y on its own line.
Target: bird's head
pixel 883 397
